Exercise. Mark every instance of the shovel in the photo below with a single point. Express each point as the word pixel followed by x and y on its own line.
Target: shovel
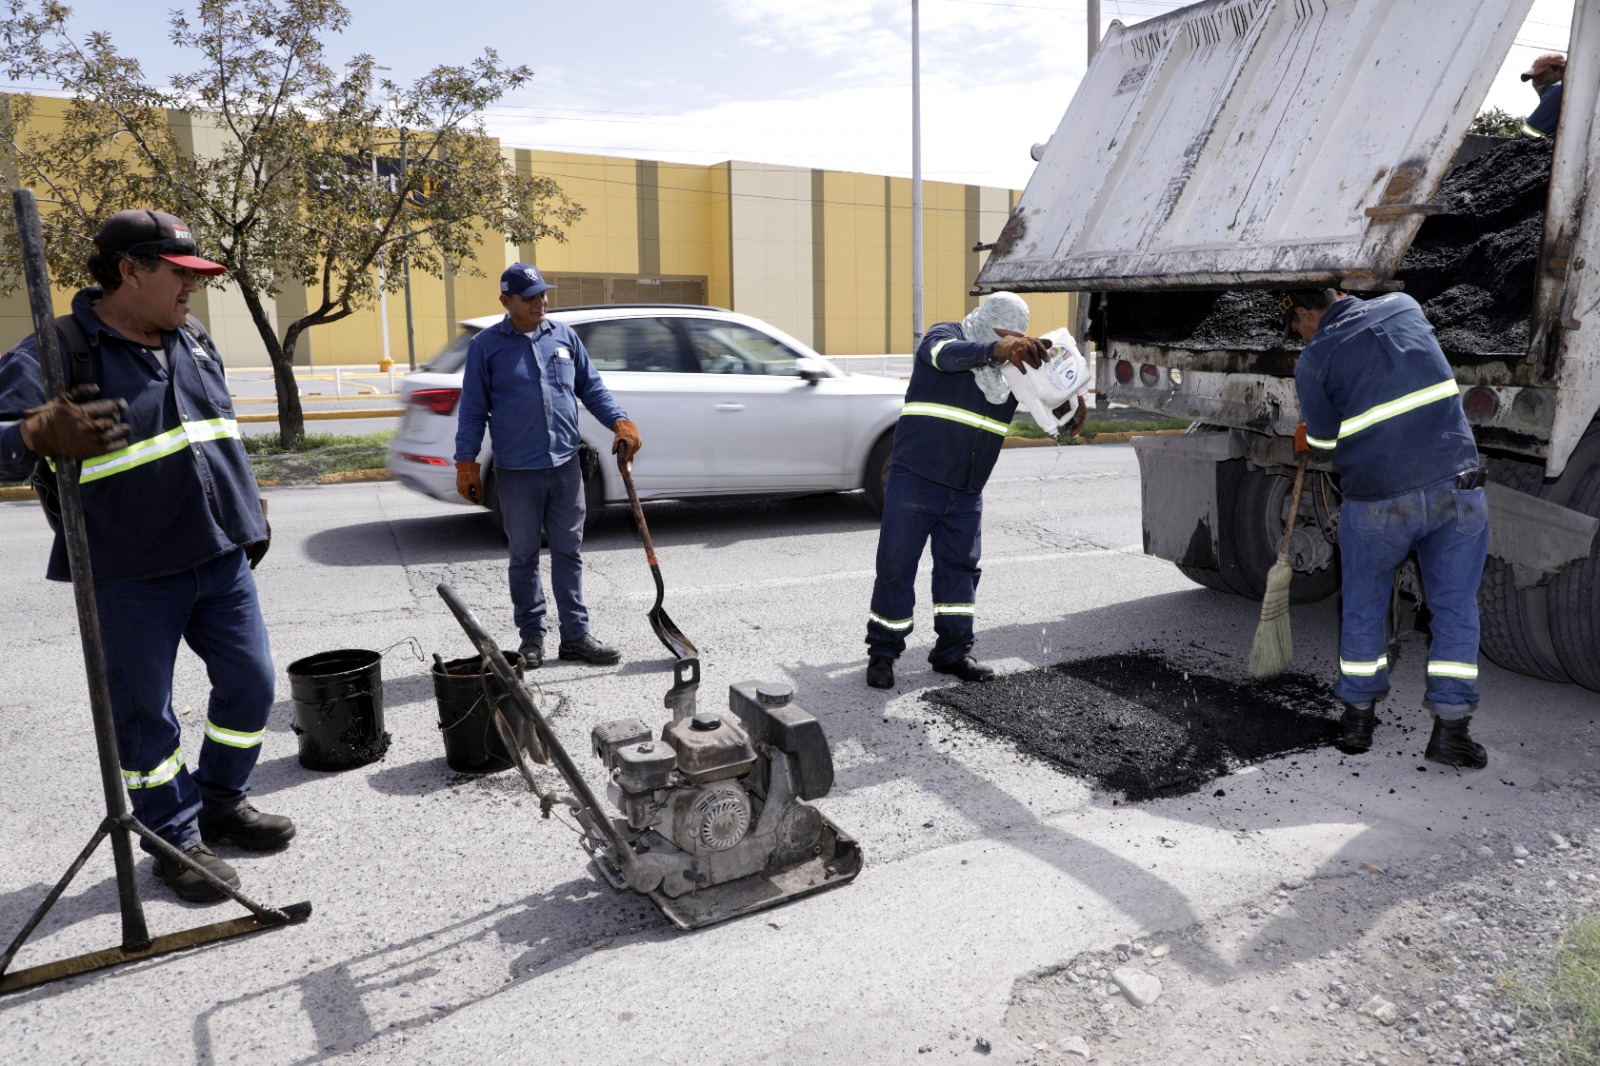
pixel 669 634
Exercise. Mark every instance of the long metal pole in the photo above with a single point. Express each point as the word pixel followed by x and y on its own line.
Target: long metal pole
pixel 135 933
pixel 1094 28
pixel 916 178
pixel 411 333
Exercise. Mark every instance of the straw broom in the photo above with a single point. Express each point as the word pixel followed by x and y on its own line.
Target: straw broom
pixel 1273 648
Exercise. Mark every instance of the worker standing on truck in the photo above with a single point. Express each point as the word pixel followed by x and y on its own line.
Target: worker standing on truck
pixel 175 525
pixel 1546 75
pixel 523 380
pixel 1376 391
pixel 945 446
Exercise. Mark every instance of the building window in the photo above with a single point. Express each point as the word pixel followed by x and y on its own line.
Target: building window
pixel 582 290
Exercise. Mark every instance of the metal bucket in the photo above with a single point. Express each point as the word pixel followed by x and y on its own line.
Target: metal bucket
pixel 472 744
pixel 338 708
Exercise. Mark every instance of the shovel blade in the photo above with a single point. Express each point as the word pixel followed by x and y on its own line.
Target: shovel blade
pixel 669 634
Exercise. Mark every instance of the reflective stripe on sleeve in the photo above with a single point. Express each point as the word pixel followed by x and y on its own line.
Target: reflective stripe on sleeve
pixel 1318 442
pixel 157 447
pixel 1529 131
pixel 1367 669
pixel 1445 668
pixel 956 414
pixel 233 737
pixel 1410 402
pixel 933 356
pixel 159 776
pixel 954 608
pixel 898 625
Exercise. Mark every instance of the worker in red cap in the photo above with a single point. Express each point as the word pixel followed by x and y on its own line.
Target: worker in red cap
pixel 1545 74
pixel 175 525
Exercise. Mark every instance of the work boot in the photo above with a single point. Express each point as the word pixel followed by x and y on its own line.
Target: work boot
pixel 1357 723
pixel 587 649
pixel 1452 745
pixel 191 886
pixel 248 828
pixel 532 651
pixel 966 668
pixel 880 672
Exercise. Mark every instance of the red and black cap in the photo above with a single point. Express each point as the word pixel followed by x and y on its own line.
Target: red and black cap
pixel 154 233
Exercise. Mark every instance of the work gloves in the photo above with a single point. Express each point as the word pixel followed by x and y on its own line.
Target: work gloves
pixel 258 551
pixel 75 425
pixel 1020 351
pixel 469 482
pixel 626 445
pixel 1075 423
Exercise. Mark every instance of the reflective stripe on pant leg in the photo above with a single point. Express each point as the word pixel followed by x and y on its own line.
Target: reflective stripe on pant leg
pixel 228 634
pixel 957 546
pixel 1451 557
pixel 902 534
pixel 157 776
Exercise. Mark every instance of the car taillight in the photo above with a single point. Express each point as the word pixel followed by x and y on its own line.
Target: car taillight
pixel 1124 371
pixel 439 401
pixel 431 460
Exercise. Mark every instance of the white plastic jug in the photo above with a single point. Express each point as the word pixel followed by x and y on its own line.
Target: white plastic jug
pixel 1053 387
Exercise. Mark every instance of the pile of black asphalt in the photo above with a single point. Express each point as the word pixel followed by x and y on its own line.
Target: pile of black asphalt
pixel 1146 727
pixel 1471 267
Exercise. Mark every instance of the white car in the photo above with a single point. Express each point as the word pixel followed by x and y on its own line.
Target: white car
pixel 726 405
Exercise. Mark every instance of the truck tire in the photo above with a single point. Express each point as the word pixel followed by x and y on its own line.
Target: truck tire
pixel 1209 578
pixel 1513 631
pixel 1252 504
pixel 1574 595
pixel 876 474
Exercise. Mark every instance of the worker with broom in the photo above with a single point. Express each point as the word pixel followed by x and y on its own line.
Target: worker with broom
pixel 1376 392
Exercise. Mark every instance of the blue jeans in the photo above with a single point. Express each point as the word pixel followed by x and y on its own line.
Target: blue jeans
pixel 915 510
pixel 1449 530
pixel 539 505
pixel 213 608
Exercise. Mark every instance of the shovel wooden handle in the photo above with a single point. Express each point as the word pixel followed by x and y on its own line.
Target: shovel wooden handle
pixel 1294 509
pixel 624 468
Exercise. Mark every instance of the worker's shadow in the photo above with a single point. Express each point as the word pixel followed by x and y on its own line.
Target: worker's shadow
pixel 431 539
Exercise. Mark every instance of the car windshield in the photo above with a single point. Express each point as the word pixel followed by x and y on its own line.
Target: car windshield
pixel 453 356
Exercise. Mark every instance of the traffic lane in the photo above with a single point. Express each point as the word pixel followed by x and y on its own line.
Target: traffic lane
pixel 448 911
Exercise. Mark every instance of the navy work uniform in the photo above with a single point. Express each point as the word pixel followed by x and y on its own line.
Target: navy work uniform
pixel 945 446
pixel 168 519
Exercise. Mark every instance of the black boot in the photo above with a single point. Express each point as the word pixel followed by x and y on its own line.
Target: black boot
pixel 248 828
pixel 532 651
pixel 1452 745
pixel 880 672
pixel 966 668
pixel 191 886
pixel 1357 723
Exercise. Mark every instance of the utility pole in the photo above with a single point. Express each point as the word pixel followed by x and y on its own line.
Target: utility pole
pixel 1094 28
pixel 916 181
pixel 411 335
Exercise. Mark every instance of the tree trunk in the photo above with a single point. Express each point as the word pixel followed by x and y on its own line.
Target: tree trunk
pixel 291 420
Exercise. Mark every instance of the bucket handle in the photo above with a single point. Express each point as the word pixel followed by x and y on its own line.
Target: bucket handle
pixel 415 648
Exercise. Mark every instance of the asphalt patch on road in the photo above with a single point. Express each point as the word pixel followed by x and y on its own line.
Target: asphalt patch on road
pixel 1146 727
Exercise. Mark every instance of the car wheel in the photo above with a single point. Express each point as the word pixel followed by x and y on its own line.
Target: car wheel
pixel 876 476
pixel 491 500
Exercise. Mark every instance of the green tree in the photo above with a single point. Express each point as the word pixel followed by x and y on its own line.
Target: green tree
pixel 285 194
pixel 1493 122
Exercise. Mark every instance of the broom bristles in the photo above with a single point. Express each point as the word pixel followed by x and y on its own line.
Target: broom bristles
pixel 1273 648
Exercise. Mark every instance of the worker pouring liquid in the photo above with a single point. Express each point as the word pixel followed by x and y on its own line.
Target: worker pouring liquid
pixel 1376 392
pixel 175 526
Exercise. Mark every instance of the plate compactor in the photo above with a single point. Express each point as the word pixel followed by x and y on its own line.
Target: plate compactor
pixel 713 820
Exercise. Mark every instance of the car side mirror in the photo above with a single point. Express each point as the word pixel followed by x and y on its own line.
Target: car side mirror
pixel 811 370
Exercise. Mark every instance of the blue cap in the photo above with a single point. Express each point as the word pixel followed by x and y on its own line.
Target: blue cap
pixel 523 279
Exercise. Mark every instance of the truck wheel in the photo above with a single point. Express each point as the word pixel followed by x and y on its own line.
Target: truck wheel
pixel 1513 628
pixel 1209 578
pixel 876 475
pixel 1252 503
pixel 1574 595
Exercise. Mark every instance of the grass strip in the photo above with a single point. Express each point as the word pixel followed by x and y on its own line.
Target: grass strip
pixel 320 454
pixel 1029 429
pixel 1565 999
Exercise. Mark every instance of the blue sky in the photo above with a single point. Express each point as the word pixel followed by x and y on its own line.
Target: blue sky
pixel 822 83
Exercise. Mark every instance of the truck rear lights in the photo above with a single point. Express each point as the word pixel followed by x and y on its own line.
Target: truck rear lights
pixel 1529 404
pixel 1480 403
pixel 439 401
pixel 430 460
pixel 1149 374
pixel 1124 371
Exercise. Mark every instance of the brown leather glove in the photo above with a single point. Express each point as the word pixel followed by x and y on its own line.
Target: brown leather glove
pixel 258 551
pixel 1075 424
pixel 1021 352
pixel 75 425
pixel 626 445
pixel 469 482
pixel 1300 445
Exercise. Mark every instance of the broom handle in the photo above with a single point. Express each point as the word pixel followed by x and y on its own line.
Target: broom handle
pixel 1288 527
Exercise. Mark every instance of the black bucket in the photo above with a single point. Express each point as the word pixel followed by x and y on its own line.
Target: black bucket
pixel 472 744
pixel 338 708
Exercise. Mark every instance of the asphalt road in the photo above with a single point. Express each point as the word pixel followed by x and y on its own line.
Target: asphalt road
pixel 452 924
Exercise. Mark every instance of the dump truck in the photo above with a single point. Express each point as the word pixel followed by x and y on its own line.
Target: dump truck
pixel 1232 148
